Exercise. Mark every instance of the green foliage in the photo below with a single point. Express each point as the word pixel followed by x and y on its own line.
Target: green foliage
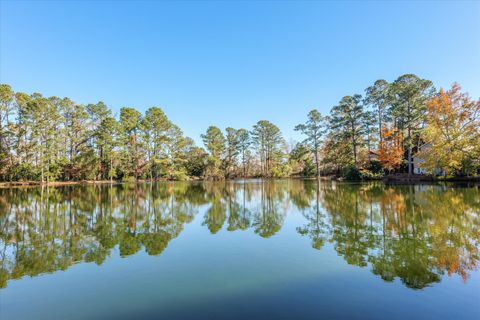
pixel 244 142
pixel 379 96
pixel 375 167
pixel 59 139
pixel 214 141
pixel 337 153
pixel 155 128
pixel 179 175
pixel 212 170
pixel 347 122
pixel 196 162
pixel 409 97
pixel 301 161
pixel 269 143
pixel 129 179
pixel 282 170
pixel 6 134
pixel 130 120
pixel 25 172
pixel 52 138
pixel 232 151
pixel 369 175
pixel 313 129
pixel 352 174
pixel 309 168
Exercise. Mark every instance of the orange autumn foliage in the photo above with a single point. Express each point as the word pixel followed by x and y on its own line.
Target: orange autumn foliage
pixel 390 150
pixel 452 132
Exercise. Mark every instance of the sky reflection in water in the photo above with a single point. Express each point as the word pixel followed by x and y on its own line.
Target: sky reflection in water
pixel 287 248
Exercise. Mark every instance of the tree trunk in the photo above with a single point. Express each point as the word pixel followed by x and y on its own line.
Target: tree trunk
pixel 380 125
pixel 111 166
pixel 354 151
pixel 41 162
pixel 354 144
pixel 243 161
pixel 409 152
pixel 409 157
pixel 409 140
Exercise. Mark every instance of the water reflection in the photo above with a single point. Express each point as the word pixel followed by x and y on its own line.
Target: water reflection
pixel 413 233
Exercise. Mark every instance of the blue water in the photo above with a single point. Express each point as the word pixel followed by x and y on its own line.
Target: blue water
pixel 302 251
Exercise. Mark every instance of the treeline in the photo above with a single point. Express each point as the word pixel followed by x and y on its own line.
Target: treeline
pixel 388 129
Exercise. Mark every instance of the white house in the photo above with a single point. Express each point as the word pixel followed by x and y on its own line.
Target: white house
pixel 417 162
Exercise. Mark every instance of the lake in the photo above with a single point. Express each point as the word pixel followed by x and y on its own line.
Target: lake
pixel 285 249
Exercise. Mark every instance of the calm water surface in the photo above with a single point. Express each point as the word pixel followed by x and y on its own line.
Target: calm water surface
pixel 276 249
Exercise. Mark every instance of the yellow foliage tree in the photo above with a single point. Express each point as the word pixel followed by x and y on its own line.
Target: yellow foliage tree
pixel 452 133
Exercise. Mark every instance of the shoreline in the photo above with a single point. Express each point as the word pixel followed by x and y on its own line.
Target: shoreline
pixel 415 179
pixel 419 179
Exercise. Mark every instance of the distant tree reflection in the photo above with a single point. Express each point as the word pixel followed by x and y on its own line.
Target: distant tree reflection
pixel 412 233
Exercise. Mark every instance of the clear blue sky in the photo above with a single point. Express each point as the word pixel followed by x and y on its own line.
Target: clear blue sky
pixel 232 64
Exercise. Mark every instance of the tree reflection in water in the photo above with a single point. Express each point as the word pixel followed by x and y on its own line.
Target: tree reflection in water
pixel 413 233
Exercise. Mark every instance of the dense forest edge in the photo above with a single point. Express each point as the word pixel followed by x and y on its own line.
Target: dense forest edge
pixel 403 130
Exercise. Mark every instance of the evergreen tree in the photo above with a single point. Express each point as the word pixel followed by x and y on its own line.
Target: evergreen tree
pixel 232 150
pixel 130 120
pixel 378 96
pixel 214 141
pixel 313 129
pixel 410 94
pixel 269 144
pixel 348 122
pixel 244 143
pixel 155 128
